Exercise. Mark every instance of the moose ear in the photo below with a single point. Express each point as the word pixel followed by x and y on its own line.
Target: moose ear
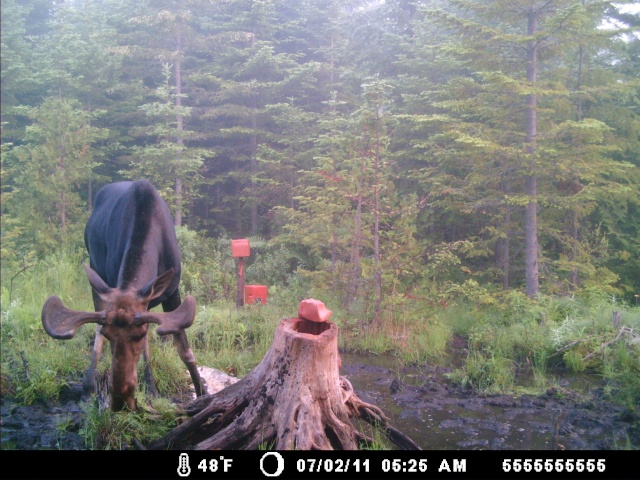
pixel 156 287
pixel 172 322
pixel 61 322
pixel 96 282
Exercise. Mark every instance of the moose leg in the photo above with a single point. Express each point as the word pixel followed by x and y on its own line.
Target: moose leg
pixel 149 381
pixel 186 355
pixel 182 345
pixel 88 382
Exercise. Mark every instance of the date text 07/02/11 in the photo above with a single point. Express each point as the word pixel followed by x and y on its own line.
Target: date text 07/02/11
pixel 395 465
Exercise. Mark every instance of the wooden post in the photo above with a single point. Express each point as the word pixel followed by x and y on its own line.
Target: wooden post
pixel 240 301
pixel 239 249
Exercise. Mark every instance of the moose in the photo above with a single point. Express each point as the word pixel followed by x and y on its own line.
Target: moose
pixel 134 265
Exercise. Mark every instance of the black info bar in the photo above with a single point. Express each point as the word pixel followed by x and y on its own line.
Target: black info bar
pixel 227 464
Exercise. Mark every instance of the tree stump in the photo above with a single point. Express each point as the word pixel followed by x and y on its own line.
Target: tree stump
pixel 293 399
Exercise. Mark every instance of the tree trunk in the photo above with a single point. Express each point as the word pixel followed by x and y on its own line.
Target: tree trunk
pixel 574 279
pixel 573 226
pixel 377 276
pixel 505 244
pixel 531 238
pixel 253 187
pixel 354 281
pixel 293 399
pixel 103 390
pixel 179 127
pixel 531 181
pixel 90 172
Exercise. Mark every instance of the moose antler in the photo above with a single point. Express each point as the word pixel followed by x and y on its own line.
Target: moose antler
pixel 171 322
pixel 61 322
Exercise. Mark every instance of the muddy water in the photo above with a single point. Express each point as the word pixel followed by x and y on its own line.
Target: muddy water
pixel 426 406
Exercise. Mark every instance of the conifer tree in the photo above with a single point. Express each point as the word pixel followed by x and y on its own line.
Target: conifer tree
pixel 164 33
pixel 252 73
pixel 47 170
pixel 498 117
pixel 164 158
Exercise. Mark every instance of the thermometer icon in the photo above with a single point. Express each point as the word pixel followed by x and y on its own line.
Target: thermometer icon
pixel 184 470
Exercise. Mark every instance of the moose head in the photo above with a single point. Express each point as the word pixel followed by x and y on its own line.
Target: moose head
pixel 124 321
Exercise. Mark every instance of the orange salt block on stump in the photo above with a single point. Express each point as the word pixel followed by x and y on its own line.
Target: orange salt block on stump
pixel 313 310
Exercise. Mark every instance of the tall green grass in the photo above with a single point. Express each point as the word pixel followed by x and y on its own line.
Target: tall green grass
pixel 412 332
pixel 548 334
pixel 34 365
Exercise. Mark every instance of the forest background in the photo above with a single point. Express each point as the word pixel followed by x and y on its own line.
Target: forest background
pixel 378 154
pixel 393 148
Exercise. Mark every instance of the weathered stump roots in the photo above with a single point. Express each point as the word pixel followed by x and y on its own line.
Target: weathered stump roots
pixel 293 399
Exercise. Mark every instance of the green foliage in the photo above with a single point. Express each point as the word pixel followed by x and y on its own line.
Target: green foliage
pixel 573 360
pixel 459 317
pixel 486 372
pixel 427 342
pixel 622 369
pixel 551 332
pixel 411 332
pixel 383 147
pixel 44 384
pixel 209 272
pixel 44 212
pixel 271 265
pixel 35 366
pixel 107 430
pixel 166 158
pixel 266 446
pixel 232 339
pixel 471 119
pixel 379 441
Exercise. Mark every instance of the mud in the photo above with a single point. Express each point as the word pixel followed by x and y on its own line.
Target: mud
pixel 44 425
pixel 440 415
pixel 421 402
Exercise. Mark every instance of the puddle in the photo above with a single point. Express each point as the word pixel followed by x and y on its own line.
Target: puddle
pixel 438 415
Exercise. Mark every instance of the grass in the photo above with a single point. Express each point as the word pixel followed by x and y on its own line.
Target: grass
pixel 511 336
pixel 221 337
pixel 486 372
pixel 107 430
pixel 415 335
pixel 35 365
pixel 379 441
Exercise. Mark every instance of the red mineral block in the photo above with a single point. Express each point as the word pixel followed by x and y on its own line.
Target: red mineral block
pixel 313 310
pixel 255 294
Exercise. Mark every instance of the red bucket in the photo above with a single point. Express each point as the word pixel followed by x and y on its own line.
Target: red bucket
pixel 255 294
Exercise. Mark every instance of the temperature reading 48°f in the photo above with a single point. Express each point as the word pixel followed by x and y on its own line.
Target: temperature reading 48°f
pixel 214 465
